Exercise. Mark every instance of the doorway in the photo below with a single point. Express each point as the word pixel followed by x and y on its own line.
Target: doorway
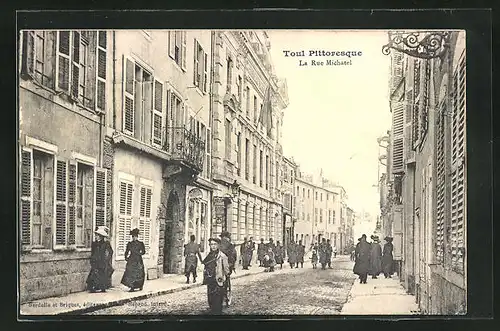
pixel 172 220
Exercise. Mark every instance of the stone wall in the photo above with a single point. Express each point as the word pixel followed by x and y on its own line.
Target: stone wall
pixel 446 298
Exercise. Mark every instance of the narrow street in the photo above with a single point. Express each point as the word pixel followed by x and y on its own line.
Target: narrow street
pixel 285 292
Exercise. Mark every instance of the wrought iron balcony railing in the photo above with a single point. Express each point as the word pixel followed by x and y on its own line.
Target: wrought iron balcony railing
pixel 186 147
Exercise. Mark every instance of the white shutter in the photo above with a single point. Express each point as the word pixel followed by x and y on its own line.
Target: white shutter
pixel 196 68
pixel 125 217
pixel 100 197
pixel 157 120
pixel 171 44
pixel 205 72
pixel 128 117
pixel 26 202
pixel 440 185
pixel 75 68
pixel 398 137
pixel 183 50
pixel 63 61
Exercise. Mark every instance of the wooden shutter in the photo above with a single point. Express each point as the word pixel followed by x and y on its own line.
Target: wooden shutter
pixel 458 188
pixel 183 50
pixel 73 171
pixel 90 37
pixel 157 120
pixel 205 72
pixel 26 195
pixel 100 197
pixel 125 216
pixel 75 70
pixel 145 217
pixel 196 81
pixel 398 137
pixel 408 127
pixel 28 58
pixel 128 97
pixel 61 203
pixel 440 185
pixel 171 44
pixel 63 60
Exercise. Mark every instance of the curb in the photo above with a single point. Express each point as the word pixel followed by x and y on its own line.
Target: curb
pixel 120 302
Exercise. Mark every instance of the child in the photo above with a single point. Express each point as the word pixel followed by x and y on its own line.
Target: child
pixel 269 260
pixel 314 258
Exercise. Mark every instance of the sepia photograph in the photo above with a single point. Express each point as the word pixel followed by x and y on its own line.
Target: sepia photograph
pixel 242 172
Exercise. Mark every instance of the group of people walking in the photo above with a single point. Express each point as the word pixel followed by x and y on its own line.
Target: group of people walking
pixel 371 259
pixel 323 253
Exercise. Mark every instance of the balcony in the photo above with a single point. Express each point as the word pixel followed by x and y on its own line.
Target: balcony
pixel 185 148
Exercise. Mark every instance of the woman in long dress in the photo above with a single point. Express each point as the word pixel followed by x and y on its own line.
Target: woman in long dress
pixel 134 270
pixel 375 258
pixel 98 279
pixel 292 254
pixel 387 258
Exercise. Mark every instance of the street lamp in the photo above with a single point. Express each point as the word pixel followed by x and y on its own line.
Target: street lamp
pixel 235 189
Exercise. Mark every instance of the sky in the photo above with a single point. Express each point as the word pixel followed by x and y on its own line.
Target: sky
pixel 336 113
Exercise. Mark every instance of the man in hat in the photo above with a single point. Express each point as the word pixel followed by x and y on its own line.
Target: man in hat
pixel 100 264
pixel 191 253
pixel 362 264
pixel 375 257
pixel 329 253
pixel 215 274
pixel 387 258
pixel 261 252
pixel 227 247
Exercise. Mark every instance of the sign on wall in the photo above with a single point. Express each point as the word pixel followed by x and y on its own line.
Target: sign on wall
pixel 219 209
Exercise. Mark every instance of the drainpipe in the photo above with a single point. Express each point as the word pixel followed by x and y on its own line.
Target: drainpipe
pixel 114 79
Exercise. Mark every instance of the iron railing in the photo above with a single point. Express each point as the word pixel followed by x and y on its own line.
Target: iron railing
pixel 185 146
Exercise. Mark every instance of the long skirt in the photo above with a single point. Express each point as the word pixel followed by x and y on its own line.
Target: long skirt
pixel 97 279
pixel 387 264
pixel 134 273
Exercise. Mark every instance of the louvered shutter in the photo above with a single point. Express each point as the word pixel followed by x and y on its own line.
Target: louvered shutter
pixel 408 139
pixel 26 196
pixel 100 197
pixel 397 68
pixel 73 170
pixel 171 44
pixel 398 137
pixel 183 50
pixel 128 97
pixel 157 121
pixel 75 56
pixel 205 72
pixel 28 62
pixel 458 188
pixel 61 203
pixel 90 37
pixel 440 186
pixel 63 60
pixel 196 68
pixel 125 217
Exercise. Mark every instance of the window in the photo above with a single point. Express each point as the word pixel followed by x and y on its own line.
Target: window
pixel 200 67
pixel 298 191
pixel 83 64
pixel 39 56
pixel 291 176
pixel 277 174
pixel 329 216
pixel 308 193
pixel 247 95
pixel 84 204
pixel 247 159
pixel 255 115
pixel 321 215
pixel 255 164
pixel 177 47
pixel 208 163
pixel 239 88
pixel 229 73
pixel 228 140
pixel 267 172
pixel 316 215
pixel 327 197
pixel 333 216
pixel 316 196
pixel 261 168
pixel 304 192
pixel 203 224
pixel 238 146
pixel 145 217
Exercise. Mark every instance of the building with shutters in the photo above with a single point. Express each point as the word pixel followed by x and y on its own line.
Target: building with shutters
pixel 248 103
pixel 157 144
pixel 289 189
pixel 426 177
pixel 64 186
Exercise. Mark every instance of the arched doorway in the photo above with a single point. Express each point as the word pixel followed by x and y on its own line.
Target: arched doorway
pixel 172 218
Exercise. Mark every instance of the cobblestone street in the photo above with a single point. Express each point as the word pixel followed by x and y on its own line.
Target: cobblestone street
pixel 285 292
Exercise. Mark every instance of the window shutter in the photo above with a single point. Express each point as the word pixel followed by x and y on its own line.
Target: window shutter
pixel 128 97
pixel 196 64
pixel 205 72
pixel 125 217
pixel 61 203
pixel 440 185
pixel 63 60
pixel 75 74
pixel 26 195
pixel 101 70
pixel 72 203
pixel 145 217
pixel 458 189
pixel 398 137
pixel 408 139
pixel 183 50
pixel 90 75
pixel 100 197
pixel 171 44
pixel 28 62
pixel 158 115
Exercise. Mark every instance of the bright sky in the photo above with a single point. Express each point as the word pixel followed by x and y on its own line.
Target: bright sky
pixel 336 113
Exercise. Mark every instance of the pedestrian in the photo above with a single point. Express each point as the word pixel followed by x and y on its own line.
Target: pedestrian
pixel 279 254
pixel 314 257
pixel 100 268
pixel 301 251
pixel 362 264
pixel 292 254
pixel 246 254
pixel 214 276
pixel 109 259
pixel 323 256
pixel 375 258
pixel 387 258
pixel 269 260
pixel 353 254
pixel 329 252
pixel 334 250
pixel 261 251
pixel 227 247
pixel 192 254
pixel 134 274
pixel 252 247
pixel 242 250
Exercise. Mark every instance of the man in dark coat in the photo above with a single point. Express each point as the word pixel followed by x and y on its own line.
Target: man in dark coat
pixel 301 251
pixel 246 254
pixel 362 264
pixel 387 258
pixel 191 254
pixel 329 253
pixel 227 247
pixel 261 252
pixel 375 258
pixel 323 257
pixel 292 254
pixel 279 253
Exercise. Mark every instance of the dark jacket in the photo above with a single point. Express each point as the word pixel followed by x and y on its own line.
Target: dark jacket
pixel 101 270
pixel 387 258
pixel 229 250
pixel 362 264
pixel 375 259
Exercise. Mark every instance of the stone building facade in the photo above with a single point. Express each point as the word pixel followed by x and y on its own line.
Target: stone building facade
pixel 289 191
pixel 247 106
pixel 426 181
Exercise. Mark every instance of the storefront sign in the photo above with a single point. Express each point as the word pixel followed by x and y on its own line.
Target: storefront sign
pixel 219 209
pixel 288 221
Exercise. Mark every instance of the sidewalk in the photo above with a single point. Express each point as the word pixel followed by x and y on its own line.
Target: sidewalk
pixel 379 296
pixel 83 302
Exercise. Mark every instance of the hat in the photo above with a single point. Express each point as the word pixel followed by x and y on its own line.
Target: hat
pixel 134 232
pixel 225 234
pixel 388 238
pixel 217 240
pixel 103 231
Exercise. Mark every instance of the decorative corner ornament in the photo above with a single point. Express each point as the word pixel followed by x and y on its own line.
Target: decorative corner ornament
pixel 423 44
